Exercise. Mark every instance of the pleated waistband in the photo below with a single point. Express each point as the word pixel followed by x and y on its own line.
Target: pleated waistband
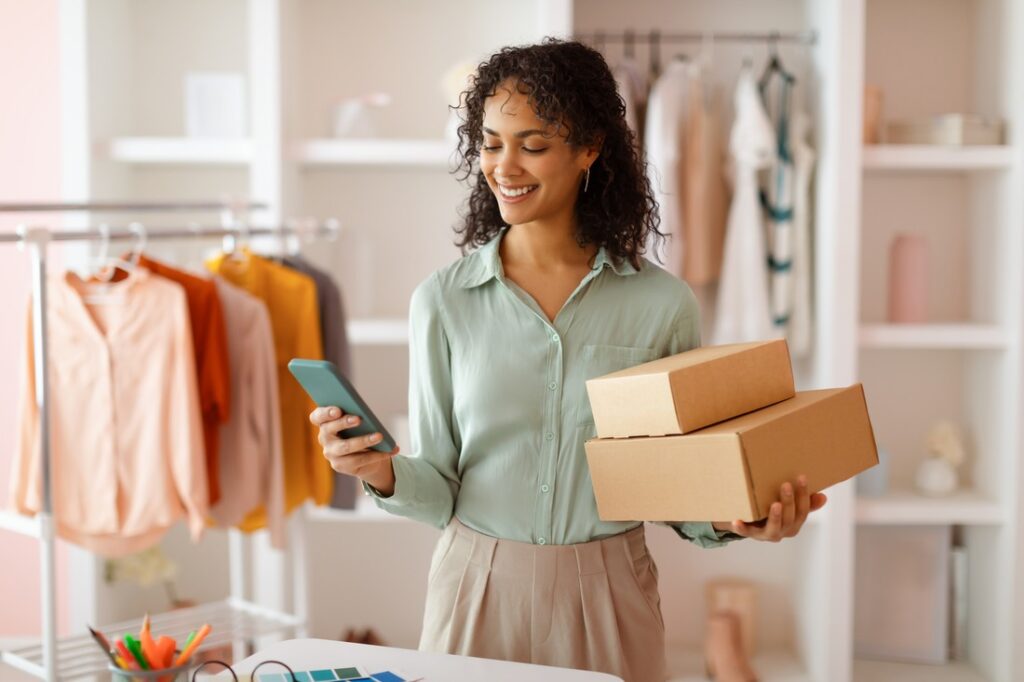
pixel 511 556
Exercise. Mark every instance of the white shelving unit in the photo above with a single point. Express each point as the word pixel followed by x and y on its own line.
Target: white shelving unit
pixel 906 509
pixel 181 150
pixel 124 65
pixel 382 332
pixel 395 153
pixel 934 336
pixel 966 368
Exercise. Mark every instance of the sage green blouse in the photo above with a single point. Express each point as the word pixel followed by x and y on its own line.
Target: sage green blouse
pixel 498 406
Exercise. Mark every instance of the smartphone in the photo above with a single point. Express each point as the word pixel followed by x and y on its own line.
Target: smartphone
pixel 328 387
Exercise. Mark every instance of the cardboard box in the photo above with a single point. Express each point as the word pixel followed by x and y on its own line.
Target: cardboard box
pixel 686 392
pixel 733 470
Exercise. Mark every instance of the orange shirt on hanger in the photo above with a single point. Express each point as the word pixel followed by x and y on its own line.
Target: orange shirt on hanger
pixel 211 355
pixel 126 439
pixel 295 319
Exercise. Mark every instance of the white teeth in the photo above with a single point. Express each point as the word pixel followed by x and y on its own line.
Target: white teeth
pixel 516 192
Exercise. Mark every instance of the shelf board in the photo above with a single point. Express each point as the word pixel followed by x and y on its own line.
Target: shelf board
pixel 378 332
pixel 232 620
pixel 936 157
pixel 906 508
pixel 687 665
pixel 370 152
pixel 884 671
pixel 361 514
pixel 933 336
pixel 181 151
pixel 19 523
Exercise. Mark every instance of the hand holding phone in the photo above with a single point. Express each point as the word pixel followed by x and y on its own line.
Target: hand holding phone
pixel 366 449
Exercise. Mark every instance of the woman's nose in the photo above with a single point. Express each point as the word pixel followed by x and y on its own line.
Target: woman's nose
pixel 507 166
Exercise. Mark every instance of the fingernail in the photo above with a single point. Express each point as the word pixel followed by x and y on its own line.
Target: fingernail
pixel 787 490
pixel 351 420
pixel 374 438
pixel 802 481
pixel 333 412
pixel 776 509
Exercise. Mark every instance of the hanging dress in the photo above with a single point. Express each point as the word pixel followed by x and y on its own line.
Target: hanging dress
pixel 664 143
pixel 743 312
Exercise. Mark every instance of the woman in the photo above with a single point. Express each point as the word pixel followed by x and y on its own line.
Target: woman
pixel 502 342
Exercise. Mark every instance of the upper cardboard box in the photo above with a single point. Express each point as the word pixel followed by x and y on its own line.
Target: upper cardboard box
pixel 691 390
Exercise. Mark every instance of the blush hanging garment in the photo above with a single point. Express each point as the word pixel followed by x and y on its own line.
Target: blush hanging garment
pixel 631 82
pixel 250 455
pixel 126 431
pixel 705 195
pixel 743 312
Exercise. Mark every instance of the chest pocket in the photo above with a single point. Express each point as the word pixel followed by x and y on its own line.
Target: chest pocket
pixel 600 360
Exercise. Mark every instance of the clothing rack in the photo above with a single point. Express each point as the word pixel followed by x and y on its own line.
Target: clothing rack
pixel 238 619
pixel 654 39
pixel 631 38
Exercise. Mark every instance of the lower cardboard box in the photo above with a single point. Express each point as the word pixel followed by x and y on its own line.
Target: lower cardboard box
pixel 734 469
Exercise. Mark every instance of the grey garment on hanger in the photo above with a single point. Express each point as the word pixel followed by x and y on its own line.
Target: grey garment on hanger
pixel 336 350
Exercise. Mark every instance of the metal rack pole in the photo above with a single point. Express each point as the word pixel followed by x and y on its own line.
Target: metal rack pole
pixel 36 239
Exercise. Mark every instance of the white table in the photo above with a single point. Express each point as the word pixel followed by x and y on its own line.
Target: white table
pixel 314 654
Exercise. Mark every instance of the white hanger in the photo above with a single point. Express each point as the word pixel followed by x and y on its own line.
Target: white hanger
pixel 104 266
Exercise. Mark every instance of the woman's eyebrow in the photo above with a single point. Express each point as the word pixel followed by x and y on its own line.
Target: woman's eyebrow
pixel 521 134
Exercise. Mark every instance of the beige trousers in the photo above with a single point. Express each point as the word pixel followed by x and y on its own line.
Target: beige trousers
pixel 591 606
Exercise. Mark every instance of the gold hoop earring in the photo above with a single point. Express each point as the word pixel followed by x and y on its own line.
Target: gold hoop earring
pixel 586 179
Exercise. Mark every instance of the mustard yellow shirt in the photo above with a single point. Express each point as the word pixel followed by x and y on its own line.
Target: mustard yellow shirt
pixel 291 300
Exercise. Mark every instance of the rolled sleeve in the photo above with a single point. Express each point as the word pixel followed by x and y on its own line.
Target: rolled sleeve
pixel 427 481
pixel 703 534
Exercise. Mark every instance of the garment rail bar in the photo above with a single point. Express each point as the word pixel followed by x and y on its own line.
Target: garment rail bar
pixel 327 228
pixel 141 206
pixel 655 37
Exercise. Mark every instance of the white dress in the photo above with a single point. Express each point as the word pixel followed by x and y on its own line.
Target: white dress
pixel 743 312
pixel 664 133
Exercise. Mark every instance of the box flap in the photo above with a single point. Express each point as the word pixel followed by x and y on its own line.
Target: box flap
pixel 688 359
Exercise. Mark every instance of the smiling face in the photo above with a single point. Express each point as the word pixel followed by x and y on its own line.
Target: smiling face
pixel 531 169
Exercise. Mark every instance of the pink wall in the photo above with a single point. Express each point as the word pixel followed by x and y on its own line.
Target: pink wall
pixel 29 170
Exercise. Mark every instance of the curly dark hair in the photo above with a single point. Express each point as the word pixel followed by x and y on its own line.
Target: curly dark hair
pixel 570 86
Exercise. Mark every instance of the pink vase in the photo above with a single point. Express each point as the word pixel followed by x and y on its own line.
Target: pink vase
pixel 908 279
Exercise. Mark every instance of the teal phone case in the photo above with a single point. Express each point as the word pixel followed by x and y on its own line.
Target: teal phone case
pixel 327 386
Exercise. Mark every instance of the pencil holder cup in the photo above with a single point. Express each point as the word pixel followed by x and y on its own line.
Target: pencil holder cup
pixel 177 673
